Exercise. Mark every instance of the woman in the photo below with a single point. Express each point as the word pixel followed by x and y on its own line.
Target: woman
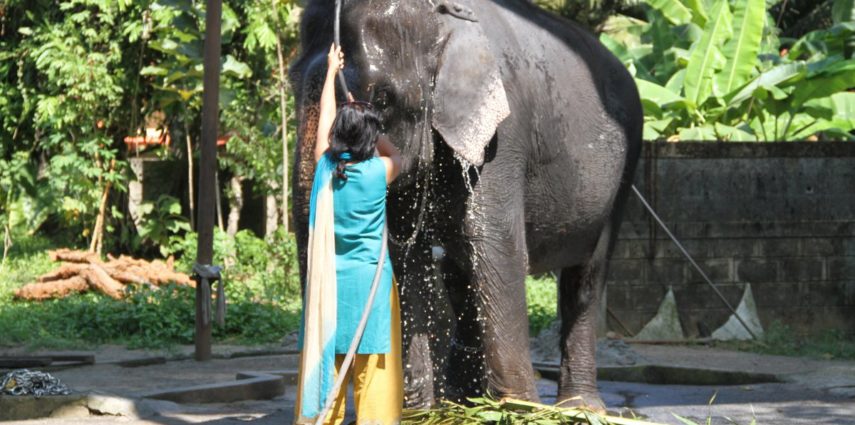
pixel 354 165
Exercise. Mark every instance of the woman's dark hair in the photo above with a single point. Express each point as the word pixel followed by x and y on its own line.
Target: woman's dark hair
pixel 355 132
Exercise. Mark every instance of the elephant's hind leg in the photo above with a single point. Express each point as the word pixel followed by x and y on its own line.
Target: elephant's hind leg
pixel 579 289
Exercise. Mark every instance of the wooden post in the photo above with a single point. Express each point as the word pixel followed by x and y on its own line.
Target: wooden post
pixel 207 168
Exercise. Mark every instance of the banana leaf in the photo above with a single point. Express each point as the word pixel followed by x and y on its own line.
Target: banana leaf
pixel 741 50
pixel 770 78
pixel 699 13
pixel 706 58
pixel 698 133
pixel 672 10
pixel 825 81
pixel 726 132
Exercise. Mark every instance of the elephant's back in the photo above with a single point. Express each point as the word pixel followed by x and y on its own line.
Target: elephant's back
pixel 576 115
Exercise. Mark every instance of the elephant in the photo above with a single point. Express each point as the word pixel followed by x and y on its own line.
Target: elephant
pixel 519 135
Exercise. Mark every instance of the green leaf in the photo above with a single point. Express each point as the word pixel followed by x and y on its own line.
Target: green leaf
pixel 699 13
pixel 674 11
pixel 828 79
pixel 726 132
pixel 656 93
pixel 236 68
pixel 705 57
pixel 773 77
pixel 154 70
pixel 843 11
pixel 698 133
pixel 741 50
pixel 490 416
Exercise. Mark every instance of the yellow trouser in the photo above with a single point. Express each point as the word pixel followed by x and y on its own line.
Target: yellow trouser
pixel 378 381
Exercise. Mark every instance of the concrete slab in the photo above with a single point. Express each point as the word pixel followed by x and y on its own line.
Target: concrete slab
pixel 72 406
pixel 256 386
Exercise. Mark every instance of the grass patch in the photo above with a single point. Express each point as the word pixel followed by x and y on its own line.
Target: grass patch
pixel 541 296
pixel 262 292
pixel 780 339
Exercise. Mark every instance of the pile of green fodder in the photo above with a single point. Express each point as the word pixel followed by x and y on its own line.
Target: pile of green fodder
pixel 485 410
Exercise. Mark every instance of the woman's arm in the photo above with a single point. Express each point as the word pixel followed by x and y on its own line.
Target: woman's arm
pixel 390 156
pixel 335 62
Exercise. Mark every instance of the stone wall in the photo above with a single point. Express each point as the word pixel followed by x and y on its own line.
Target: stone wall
pixel 780 216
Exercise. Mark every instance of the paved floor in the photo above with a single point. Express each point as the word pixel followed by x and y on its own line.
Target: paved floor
pixel 813 391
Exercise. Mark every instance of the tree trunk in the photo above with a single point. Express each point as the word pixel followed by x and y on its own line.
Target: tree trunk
pixel 235 204
pixel 283 111
pixel 98 230
pixel 218 200
pixel 271 214
pixel 190 184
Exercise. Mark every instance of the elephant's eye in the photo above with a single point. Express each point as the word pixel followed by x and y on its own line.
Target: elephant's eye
pixel 383 97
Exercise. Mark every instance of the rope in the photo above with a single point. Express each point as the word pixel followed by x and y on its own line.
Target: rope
pixel 337 37
pixel 691 260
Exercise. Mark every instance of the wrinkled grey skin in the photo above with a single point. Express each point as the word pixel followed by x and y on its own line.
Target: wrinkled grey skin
pixel 544 191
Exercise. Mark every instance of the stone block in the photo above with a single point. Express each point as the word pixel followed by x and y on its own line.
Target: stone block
pixel 617 297
pixel 697 248
pixel 820 246
pixel 778 247
pixel 802 269
pixel 703 297
pixel 825 294
pixel 630 248
pixel 779 294
pixel 667 272
pixel 841 268
pixel 634 229
pixel 848 289
pixel 719 270
pixel 626 271
pixel 733 247
pixel 756 271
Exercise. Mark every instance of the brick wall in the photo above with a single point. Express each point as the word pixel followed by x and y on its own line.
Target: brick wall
pixel 780 216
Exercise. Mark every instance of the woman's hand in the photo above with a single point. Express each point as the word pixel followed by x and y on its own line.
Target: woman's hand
pixel 335 59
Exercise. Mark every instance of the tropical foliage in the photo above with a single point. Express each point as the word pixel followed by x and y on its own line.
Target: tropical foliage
pixel 716 70
pixel 78 76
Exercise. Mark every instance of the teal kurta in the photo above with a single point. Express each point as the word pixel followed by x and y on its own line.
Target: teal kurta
pixel 360 214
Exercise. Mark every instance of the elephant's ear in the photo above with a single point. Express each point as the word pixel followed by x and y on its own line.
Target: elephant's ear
pixel 469 97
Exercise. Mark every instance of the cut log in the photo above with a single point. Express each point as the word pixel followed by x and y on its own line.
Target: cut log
pixel 75 256
pixel 84 271
pixel 126 277
pixel 101 281
pixel 65 271
pixel 52 289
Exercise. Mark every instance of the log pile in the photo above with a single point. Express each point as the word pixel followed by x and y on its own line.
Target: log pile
pixel 81 271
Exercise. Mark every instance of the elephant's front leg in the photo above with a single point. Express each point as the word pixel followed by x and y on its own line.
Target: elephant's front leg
pixel 499 259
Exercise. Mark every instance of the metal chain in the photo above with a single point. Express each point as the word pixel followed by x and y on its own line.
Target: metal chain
pixel 25 382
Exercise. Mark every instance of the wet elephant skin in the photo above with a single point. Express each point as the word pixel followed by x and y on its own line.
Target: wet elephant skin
pixel 519 133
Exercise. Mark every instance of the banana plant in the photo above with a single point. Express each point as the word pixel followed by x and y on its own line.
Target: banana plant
pixel 726 85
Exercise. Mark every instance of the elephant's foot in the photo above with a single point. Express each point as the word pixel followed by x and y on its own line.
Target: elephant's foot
pixel 588 400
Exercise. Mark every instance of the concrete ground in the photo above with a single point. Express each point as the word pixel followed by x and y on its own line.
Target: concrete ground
pixel 810 391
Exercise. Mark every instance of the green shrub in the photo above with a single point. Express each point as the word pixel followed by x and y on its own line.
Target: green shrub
pixel 262 291
pixel 542 299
